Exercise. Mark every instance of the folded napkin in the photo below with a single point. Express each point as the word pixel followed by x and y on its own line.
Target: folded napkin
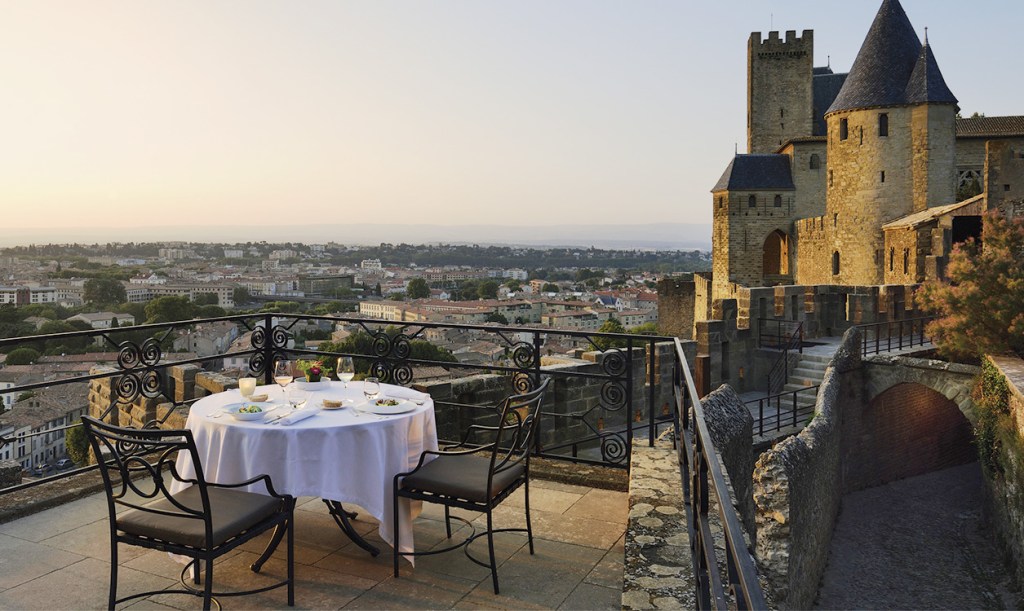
pixel 297 416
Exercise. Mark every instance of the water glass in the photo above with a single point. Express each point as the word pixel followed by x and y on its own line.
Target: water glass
pixel 247 386
pixel 296 397
pixel 346 370
pixel 371 388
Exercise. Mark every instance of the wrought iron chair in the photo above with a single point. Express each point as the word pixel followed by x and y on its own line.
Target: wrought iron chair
pixel 477 477
pixel 202 522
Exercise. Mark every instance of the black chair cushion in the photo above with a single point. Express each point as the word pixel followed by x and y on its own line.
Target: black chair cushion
pixel 233 512
pixel 463 476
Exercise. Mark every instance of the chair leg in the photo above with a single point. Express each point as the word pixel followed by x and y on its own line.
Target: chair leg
pixel 112 597
pixel 394 524
pixel 448 521
pixel 291 559
pixel 196 566
pixel 529 527
pixel 490 548
pixel 208 586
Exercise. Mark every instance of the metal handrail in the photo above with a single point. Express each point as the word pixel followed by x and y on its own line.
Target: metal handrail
pixel 791 418
pixel 698 460
pixel 778 375
pixel 909 332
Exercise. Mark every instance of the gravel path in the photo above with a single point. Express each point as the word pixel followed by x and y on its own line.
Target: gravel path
pixel 916 544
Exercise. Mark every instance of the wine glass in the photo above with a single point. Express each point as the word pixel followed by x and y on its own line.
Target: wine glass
pixel 371 388
pixel 247 387
pixel 346 370
pixel 283 374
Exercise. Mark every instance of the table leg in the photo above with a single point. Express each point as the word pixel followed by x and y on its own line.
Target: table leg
pixel 341 517
pixel 279 532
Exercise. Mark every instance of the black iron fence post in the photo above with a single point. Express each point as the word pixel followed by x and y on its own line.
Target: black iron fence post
pixel 268 349
pixel 652 363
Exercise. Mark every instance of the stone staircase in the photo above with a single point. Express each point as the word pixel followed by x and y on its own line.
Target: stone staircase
pixel 810 371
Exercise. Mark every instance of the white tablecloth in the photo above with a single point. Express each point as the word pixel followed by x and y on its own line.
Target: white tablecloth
pixel 335 455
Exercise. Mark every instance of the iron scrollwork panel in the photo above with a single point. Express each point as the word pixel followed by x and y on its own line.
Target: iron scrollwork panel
pixel 274 343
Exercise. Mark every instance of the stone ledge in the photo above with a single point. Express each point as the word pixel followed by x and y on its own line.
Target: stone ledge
pixel 658 567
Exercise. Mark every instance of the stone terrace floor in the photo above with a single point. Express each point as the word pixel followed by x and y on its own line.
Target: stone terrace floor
pixel 59 559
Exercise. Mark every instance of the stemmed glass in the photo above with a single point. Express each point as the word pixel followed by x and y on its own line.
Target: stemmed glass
pixel 283 375
pixel 371 388
pixel 346 370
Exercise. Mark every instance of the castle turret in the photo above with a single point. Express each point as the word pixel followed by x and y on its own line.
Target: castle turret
pixel 891 148
pixel 780 97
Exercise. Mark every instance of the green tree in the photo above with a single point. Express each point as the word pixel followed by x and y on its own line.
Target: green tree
pixel 205 299
pixel 550 288
pixel 612 325
pixel 22 356
pixel 210 311
pixel 488 289
pixel 77 445
pixel 417 289
pixel 514 285
pixel 240 295
pixel 103 291
pixel 497 317
pixel 169 308
pixel 980 309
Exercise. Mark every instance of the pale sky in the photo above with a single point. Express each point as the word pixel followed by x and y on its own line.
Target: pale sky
pixel 526 112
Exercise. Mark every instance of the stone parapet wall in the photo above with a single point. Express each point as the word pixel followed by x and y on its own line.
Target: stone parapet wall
pixel 1004 488
pixel 797 490
pixel 732 431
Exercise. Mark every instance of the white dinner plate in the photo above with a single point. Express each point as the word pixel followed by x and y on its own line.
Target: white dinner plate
pixel 388 410
pixel 266 406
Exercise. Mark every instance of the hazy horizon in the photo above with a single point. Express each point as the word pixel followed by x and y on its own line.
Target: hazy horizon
pixel 666 236
pixel 124 114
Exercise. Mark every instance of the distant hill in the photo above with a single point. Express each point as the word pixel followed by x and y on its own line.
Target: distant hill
pixel 661 236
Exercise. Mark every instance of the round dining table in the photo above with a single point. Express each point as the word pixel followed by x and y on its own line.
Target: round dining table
pixel 347 455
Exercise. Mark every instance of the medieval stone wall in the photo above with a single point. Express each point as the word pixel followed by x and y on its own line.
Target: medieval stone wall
pixel 676 306
pixel 743 221
pixel 808 180
pixel 1004 172
pixel 779 89
pixel 934 155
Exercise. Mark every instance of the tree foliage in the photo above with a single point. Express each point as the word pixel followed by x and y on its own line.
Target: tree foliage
pixel 980 309
pixel 488 289
pixel 22 356
pixel 77 445
pixel 169 308
pixel 104 291
pixel 418 289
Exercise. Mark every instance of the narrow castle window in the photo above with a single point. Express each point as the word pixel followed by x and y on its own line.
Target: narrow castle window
pixel 815 162
pixel 782 113
pixel 906 260
pixel 1006 187
pixel 892 258
pixel 844 129
pixel 862 135
pixel 835 219
pixel 830 178
pixel 752 202
pixel 721 202
pixel 883 124
pixel 835 263
pixel 883 175
pixel 778 201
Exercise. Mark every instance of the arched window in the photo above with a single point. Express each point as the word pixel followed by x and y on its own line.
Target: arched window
pixel 835 263
pixel 778 201
pixel 752 202
pixel 815 162
pixel 883 124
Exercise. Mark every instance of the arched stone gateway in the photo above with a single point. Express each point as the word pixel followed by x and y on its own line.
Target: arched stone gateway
pixel 906 430
pixel 775 257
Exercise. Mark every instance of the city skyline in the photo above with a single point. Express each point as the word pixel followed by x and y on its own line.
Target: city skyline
pixel 256 114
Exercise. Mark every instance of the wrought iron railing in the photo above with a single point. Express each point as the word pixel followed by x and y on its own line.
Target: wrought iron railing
pixel 593 414
pixel 775 334
pixel 783 409
pixel 894 335
pixel 703 475
pixel 792 342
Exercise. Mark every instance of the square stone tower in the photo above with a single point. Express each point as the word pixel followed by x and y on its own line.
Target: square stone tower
pixel 780 93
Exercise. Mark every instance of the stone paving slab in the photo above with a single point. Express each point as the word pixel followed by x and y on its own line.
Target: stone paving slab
pixel 59 559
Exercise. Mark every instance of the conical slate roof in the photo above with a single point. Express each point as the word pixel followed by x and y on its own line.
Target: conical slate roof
pixel 885 63
pixel 926 83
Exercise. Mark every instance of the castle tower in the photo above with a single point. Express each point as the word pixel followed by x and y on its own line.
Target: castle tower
pixel 780 97
pixel 891 148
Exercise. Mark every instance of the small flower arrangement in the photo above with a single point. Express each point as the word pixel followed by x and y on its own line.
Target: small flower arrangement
pixel 313 370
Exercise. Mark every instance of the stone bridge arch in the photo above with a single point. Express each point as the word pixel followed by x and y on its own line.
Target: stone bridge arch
pixel 916 418
pixel 953 381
